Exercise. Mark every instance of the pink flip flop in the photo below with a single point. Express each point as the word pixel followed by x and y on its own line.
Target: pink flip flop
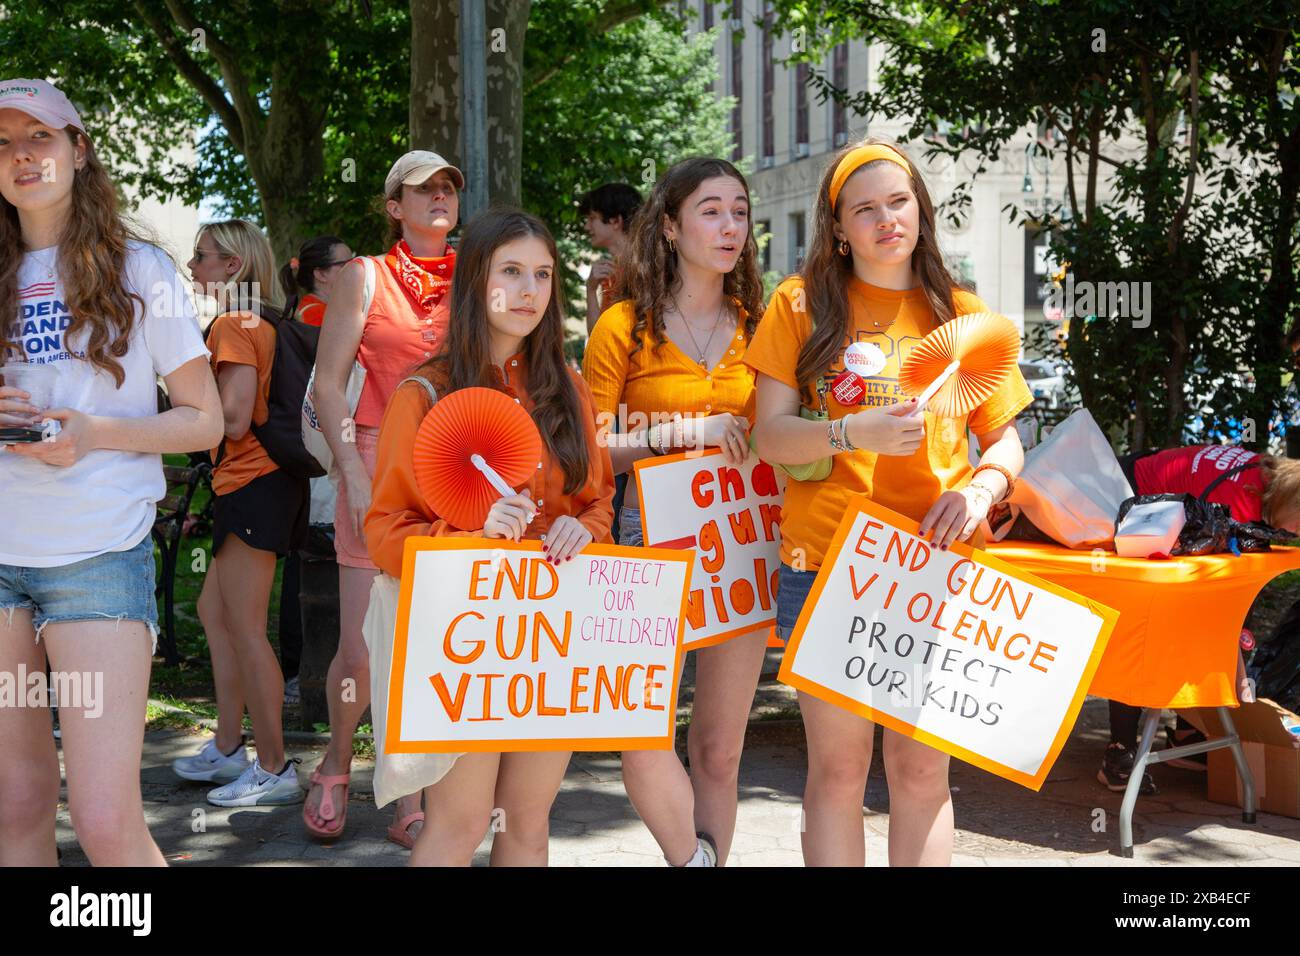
pixel 326 809
pixel 399 832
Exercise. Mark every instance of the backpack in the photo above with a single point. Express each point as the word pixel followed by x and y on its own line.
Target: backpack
pixel 281 433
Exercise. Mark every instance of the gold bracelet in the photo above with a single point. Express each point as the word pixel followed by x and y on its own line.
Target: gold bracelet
pixel 990 466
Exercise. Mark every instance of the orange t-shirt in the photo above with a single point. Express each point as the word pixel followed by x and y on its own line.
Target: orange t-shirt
pixel 311 310
pixel 398 336
pixel 243 338
pixel 907 484
pixel 661 380
pixel 399 510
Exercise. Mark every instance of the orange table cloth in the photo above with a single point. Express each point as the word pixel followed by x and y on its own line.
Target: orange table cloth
pixel 1175 643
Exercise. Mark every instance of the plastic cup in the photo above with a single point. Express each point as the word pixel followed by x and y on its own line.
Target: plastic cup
pixel 38 381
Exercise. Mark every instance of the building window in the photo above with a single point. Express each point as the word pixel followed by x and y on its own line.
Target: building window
pixel 801 110
pixel 768 92
pixel 765 229
pixel 737 84
pixel 840 79
pixel 798 240
pixel 706 13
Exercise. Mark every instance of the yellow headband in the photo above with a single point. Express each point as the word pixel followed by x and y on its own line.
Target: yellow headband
pixel 858 158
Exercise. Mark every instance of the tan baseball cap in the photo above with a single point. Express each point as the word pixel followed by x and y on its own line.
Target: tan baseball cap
pixel 417 166
pixel 42 101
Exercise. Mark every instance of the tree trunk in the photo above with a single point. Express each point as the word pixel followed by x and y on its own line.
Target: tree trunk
pixel 507 23
pixel 435 87
pixel 290 160
pixel 435 78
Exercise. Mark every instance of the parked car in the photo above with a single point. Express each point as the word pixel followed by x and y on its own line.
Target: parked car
pixel 1045 382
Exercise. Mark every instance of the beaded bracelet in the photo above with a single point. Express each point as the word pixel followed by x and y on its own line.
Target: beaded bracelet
pixel 836 441
pixel 990 466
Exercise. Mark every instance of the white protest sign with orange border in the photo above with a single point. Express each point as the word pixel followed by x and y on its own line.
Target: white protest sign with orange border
pixel 497 650
pixel 957 648
pixel 731 517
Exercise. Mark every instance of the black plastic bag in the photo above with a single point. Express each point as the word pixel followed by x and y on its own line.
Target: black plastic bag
pixel 1210 528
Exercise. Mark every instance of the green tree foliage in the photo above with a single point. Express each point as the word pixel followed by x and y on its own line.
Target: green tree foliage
pixel 636 101
pixel 1181 130
pixel 607 87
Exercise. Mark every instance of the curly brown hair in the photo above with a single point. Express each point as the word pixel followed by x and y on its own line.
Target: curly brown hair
pixel 648 267
pixel 93 250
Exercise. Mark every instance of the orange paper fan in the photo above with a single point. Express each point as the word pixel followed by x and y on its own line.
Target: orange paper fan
pixel 468 422
pixel 984 344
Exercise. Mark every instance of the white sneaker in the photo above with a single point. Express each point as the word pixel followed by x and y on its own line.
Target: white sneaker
pixel 706 854
pixel 210 765
pixel 258 788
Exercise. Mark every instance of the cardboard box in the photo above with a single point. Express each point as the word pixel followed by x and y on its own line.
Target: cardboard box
pixel 1272 753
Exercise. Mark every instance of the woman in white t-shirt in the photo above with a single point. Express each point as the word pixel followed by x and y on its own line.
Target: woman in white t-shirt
pixel 76 557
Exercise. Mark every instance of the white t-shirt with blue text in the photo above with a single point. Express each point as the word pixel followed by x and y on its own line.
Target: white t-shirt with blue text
pixel 105 502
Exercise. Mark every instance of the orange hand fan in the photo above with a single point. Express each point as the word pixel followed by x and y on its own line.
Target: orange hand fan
pixel 961 363
pixel 472 447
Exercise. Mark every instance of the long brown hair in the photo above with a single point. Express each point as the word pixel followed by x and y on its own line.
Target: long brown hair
pixel 466 359
pixel 826 273
pixel 93 249
pixel 648 268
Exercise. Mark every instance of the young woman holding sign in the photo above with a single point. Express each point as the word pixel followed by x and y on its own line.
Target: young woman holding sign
pixel 389 315
pixel 90 317
pixel 506 332
pixel 872 286
pixel 671 352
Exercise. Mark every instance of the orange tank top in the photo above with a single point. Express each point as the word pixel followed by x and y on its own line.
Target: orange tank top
pixel 398 336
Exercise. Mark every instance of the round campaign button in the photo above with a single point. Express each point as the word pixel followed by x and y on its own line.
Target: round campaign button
pixel 848 388
pixel 864 358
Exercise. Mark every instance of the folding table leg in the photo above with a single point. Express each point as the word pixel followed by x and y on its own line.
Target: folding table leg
pixel 1248 806
pixel 1150 721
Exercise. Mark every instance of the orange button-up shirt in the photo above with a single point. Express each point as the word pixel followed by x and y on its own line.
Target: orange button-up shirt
pixel 398 509
pixel 661 380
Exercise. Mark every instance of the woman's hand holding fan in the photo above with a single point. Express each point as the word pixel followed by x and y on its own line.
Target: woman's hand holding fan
pixel 510 517
pixel 887 429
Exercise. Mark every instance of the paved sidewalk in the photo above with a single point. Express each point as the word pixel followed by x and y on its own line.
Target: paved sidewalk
pixel 998 823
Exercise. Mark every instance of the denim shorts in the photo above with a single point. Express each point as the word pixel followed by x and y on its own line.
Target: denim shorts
pixel 791 593
pixel 629 528
pixel 117 586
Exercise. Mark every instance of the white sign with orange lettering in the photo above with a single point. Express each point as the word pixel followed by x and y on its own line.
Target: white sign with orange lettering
pixel 732 518
pixel 955 648
pixel 498 650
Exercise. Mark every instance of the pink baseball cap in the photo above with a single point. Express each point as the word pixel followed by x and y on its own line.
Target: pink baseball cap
pixel 40 100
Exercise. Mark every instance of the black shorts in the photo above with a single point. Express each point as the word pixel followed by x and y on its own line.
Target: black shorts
pixel 269 514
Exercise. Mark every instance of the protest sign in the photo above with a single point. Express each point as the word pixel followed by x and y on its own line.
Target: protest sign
pixel 955 648
pixel 498 650
pixel 732 518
